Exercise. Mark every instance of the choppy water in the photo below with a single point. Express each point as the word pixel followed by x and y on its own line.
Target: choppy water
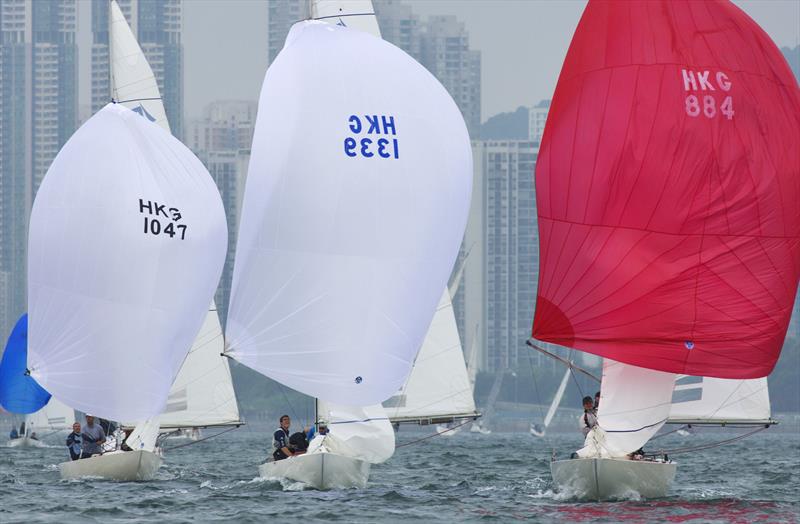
pixel 466 477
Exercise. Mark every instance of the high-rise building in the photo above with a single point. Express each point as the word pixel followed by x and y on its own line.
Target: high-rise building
pixel 221 139
pixel 445 52
pixel 157 26
pixel 500 284
pixel 281 15
pixel 537 117
pixel 400 26
pixel 38 113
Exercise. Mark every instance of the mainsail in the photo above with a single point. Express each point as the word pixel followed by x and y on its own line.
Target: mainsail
pixel 438 388
pixel 133 83
pixel 355 205
pixel 667 194
pixel 202 393
pixel 120 268
pixel 355 14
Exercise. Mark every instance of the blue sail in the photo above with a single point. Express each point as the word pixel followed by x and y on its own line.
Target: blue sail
pixel 19 392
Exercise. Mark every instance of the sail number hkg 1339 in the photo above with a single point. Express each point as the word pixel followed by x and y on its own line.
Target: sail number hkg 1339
pixel 381 144
pixel 161 220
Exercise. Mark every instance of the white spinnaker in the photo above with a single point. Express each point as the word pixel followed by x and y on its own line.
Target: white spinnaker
pixel 341 251
pixel 557 398
pixel 133 83
pixel 438 385
pixel 355 14
pixel 113 308
pixel 54 416
pixel 363 433
pixel 706 399
pixel 634 404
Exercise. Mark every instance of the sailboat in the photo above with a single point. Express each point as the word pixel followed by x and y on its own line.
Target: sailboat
pixel 355 204
pixel 21 394
pixel 539 430
pixel 668 218
pixel 117 267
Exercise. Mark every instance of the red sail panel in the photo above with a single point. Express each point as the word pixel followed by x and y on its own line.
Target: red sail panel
pixel 668 191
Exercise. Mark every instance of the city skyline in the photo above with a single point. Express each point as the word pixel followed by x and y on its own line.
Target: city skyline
pixel 511 46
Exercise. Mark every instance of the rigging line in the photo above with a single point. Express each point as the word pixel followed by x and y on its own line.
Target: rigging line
pixel 433 435
pixel 201 440
pixel 536 386
pixel 713 444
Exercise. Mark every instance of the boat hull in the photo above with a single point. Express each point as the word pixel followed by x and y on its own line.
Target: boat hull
pixel 610 479
pixel 25 442
pixel 319 470
pixel 117 465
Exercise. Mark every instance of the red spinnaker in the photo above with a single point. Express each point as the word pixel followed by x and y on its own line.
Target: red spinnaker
pixel 668 191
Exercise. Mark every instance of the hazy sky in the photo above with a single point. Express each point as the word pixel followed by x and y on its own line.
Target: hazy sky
pixel 523 43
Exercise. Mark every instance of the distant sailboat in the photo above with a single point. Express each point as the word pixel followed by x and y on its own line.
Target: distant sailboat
pixel 346 241
pixel 539 430
pixel 668 218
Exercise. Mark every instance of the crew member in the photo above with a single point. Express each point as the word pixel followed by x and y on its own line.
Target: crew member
pixel 75 443
pixel 589 417
pixel 280 440
pixel 93 437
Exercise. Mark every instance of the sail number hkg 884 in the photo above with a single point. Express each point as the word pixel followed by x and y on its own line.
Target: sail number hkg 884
pixel 706 103
pixel 367 147
pixel 153 222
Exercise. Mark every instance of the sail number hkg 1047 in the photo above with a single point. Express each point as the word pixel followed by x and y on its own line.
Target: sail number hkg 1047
pixel 382 126
pixel 160 219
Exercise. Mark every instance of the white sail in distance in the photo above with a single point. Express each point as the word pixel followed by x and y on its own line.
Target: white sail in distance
pixel 551 412
pixel 54 416
pixel 133 83
pixel 340 251
pixel 707 400
pixel 438 388
pixel 120 268
pixel 202 394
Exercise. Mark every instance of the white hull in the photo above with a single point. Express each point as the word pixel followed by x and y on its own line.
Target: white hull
pixel 25 442
pixel 445 431
pixel 607 479
pixel 116 465
pixel 477 428
pixel 322 470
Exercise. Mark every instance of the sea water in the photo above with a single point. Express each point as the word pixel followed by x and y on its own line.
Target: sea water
pixel 466 477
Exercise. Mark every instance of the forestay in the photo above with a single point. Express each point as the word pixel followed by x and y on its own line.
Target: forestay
pixel 133 83
pixel 362 433
pixel 698 400
pixel 355 14
pixel 438 386
pixel 667 194
pixel 634 404
pixel 126 245
pixel 355 205
pixel 19 392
